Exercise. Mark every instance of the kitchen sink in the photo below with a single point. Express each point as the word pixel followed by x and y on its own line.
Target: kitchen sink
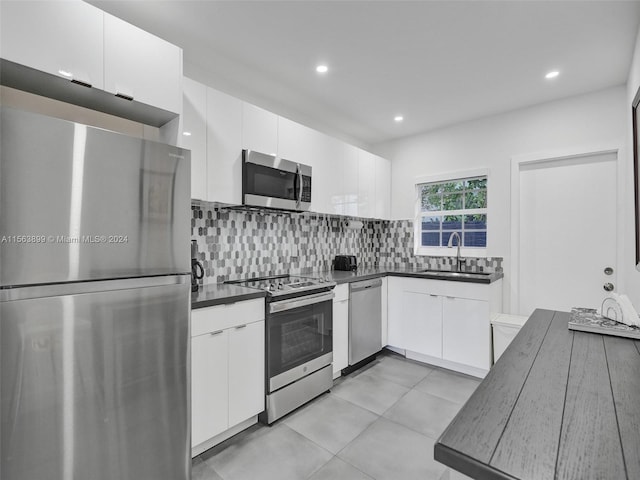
pixel 449 273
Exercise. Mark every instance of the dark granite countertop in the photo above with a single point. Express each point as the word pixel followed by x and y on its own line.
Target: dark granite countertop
pixel 366 273
pixel 221 293
pixel 558 404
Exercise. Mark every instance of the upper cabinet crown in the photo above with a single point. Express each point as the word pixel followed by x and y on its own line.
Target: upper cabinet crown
pixel 78 42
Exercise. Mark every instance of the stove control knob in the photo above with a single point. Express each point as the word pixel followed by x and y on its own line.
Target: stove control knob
pixel 280 286
pixel 272 287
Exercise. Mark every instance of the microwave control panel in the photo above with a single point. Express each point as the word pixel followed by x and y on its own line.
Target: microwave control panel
pixel 306 189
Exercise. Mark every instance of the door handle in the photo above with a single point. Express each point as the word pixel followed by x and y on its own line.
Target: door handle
pixel 299 173
pixel 608 287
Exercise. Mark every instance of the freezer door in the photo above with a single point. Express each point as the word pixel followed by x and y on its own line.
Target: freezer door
pixel 95 385
pixel 81 203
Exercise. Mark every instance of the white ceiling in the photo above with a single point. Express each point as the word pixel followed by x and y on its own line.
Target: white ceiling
pixel 435 62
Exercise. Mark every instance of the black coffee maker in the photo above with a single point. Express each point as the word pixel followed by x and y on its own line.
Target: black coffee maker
pixel 197 271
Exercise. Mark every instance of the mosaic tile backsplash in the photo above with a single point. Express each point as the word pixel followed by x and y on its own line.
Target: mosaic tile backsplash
pixel 235 244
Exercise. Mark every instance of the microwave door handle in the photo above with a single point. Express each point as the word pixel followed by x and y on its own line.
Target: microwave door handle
pixel 299 198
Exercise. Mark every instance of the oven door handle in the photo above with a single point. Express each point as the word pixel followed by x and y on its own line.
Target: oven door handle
pixel 292 303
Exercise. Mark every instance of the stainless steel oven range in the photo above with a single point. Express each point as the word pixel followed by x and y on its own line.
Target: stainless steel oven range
pixel 299 346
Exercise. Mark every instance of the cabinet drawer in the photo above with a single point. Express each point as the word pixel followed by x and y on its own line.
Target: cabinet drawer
pixel 221 317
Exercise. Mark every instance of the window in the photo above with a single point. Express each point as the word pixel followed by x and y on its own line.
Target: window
pixel 444 207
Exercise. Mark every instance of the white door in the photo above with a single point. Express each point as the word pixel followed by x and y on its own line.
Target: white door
pixel 567 232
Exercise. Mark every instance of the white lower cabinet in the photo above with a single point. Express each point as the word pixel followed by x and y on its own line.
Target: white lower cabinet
pixel 246 372
pixel 340 329
pixel 466 332
pixel 385 316
pixel 209 375
pixel 444 323
pixel 422 323
pixel 227 370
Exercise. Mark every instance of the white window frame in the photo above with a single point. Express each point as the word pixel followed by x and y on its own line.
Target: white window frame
pixel 418 249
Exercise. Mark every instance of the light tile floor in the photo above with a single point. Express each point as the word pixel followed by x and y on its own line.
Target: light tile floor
pixel 378 423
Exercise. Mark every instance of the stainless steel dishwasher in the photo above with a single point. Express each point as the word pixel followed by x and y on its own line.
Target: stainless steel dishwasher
pixel 365 320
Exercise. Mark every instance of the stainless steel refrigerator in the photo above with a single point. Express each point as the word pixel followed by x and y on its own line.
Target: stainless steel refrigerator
pixel 94 303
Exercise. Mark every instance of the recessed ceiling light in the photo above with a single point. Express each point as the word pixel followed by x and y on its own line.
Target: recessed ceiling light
pixel 186 134
pixel 398 118
pixel 322 69
pixel 65 73
pixel 552 74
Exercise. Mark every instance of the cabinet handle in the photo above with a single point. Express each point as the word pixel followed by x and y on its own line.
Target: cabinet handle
pixel 216 333
pixel 126 97
pixel 78 82
pixel 241 326
pixel 433 295
pixel 452 298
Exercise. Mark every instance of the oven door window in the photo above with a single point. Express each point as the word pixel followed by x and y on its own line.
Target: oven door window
pixel 299 335
pixel 271 182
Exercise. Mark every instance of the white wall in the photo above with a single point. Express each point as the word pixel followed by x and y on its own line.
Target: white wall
pixel 578 123
pixel 632 276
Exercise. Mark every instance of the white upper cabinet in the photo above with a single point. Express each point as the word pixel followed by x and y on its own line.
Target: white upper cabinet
pixel 366 184
pixel 383 188
pixel 194 134
pixel 60 38
pixel 329 181
pixel 259 129
pixel 224 148
pixel 297 142
pixel 346 179
pixel 350 170
pixel 74 40
pixel 142 66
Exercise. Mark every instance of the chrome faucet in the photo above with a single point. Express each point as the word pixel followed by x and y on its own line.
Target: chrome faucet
pixel 459 259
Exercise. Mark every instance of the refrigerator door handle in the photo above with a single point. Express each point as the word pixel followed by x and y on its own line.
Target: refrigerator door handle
pixel 76 288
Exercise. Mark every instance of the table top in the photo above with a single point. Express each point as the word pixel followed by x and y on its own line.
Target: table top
pixel 558 404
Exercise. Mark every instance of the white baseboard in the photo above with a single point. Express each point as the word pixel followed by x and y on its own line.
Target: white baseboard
pixel 212 442
pixel 439 362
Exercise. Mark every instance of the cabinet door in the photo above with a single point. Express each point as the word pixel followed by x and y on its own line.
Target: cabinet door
pixel 383 188
pixel 385 316
pixel 350 171
pixel 194 134
pixel 246 372
pixel 366 184
pixel 340 335
pixel 422 323
pixel 224 148
pixel 259 129
pixel 61 38
pixel 140 65
pixel 209 381
pixel 466 334
pixel 394 313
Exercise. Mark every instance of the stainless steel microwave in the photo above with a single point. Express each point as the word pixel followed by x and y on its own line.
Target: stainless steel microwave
pixel 273 182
